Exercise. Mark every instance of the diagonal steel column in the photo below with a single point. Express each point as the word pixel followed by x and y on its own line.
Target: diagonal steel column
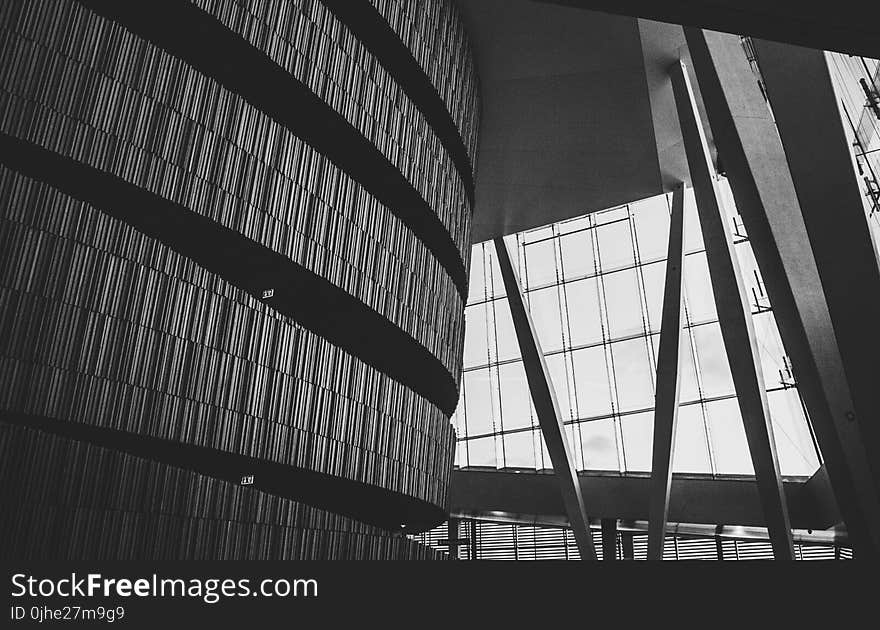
pixel 760 178
pixel 546 406
pixel 668 383
pixel 735 318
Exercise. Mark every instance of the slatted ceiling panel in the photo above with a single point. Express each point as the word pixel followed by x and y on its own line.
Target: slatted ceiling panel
pixel 497 553
pixel 730 550
pixel 696 549
pixel 548 535
pixel 552 552
pixel 435 535
pixel 496 541
pixel 526 553
pixel 571 543
pixel 496 534
pixel 754 550
pixel 508 541
pixel 816 552
pixel 525 542
pixel 597 542
pixel 640 547
pixel 544 543
pixel 669 548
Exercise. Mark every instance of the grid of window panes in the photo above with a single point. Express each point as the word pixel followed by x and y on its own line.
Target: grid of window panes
pixel 857 81
pixel 594 289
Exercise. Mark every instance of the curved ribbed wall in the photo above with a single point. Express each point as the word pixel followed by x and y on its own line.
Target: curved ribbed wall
pixel 232 237
pixel 92 503
pixel 444 54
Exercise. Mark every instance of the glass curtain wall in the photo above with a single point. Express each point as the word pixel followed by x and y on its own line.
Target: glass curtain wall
pixel 594 289
pixel 857 82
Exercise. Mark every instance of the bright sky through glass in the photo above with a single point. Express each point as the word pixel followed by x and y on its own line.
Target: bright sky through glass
pixel 594 289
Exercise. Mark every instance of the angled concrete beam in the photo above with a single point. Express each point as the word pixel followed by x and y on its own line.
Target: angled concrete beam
pixel 819 156
pixel 546 406
pixel 668 383
pixel 760 178
pixel 735 318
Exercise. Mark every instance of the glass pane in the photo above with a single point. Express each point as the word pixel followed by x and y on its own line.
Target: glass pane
pixel 478 401
pixel 505 333
pixel 687 371
pixel 698 288
pixel 481 452
pixel 691 452
pixel 654 278
pixel 458 420
pixel 559 378
pixel 573 225
pixel 615 245
pixel 545 311
pixel 577 255
pixel 537 234
pixel 728 205
pixel 755 292
pixel 638 440
pixel 494 281
pixel 516 402
pixel 632 372
pixel 651 218
pixel 599 445
pixel 540 263
pixel 477 281
pixel 728 438
pixel 591 382
pixel 607 216
pixel 794 446
pixel 714 368
pixel 476 341
pixel 573 435
pixel 584 316
pixel 544 463
pixel 770 350
pixel 693 237
pixel 519 450
pixel 623 303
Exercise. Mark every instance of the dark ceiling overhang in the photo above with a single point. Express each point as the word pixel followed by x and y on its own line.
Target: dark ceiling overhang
pixel 848 26
pixel 577 114
pixel 693 499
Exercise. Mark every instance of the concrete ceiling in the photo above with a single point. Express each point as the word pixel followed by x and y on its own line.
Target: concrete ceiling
pixel 847 26
pixel 577 113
